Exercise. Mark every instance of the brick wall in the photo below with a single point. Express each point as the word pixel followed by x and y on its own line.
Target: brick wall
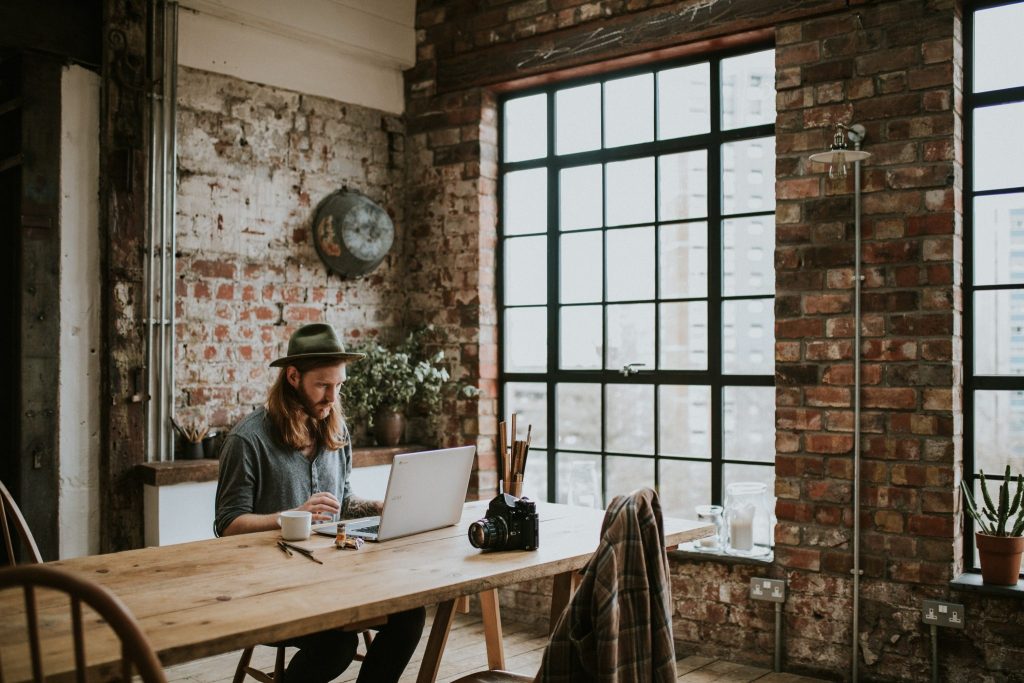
pixel 896 68
pixel 253 162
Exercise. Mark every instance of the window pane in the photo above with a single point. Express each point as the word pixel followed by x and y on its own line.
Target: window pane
pixel 748 176
pixel 579 197
pixel 535 479
pixel 629 419
pixel 630 191
pixel 759 473
pixel 530 401
pixel 580 258
pixel 999 146
pixel 683 260
pixel 748 257
pixel 625 475
pixel 579 479
pixel 578 119
pixel 629 110
pixel 748 330
pixel 997 33
pixel 684 421
pixel 526 339
pixel 526 202
pixel 999 239
pixel 683 336
pixel 630 335
pixel 526 128
pixel 683 185
pixel 999 332
pixel 578 416
pixel 748 90
pixel 582 341
pixel 684 101
pixel 630 264
pixel 748 424
pixel 998 431
pixel 526 270
pixel 684 486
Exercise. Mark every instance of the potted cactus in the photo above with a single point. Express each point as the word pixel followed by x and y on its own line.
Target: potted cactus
pixel 1000 535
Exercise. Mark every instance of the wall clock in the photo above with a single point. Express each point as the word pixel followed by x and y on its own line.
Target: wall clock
pixel 351 233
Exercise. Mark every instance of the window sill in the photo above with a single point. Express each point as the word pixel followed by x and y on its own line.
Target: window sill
pixel 186 471
pixel 971 582
pixel 686 553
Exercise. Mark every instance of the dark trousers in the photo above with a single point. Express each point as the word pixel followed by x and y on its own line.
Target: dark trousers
pixel 323 656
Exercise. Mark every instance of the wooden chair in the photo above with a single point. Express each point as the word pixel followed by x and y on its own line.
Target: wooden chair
pixel 136 651
pixel 651 545
pixel 8 508
pixel 244 669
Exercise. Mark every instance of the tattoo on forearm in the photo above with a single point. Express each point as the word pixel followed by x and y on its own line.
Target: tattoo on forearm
pixel 355 507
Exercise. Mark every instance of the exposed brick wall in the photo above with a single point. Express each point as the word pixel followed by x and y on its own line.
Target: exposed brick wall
pixel 253 162
pixel 895 67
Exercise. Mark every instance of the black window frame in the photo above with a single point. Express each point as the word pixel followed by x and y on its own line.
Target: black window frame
pixel 973 382
pixel 713 377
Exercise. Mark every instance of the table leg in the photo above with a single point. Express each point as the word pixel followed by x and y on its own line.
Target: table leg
pixel 492 629
pixel 435 643
pixel 561 591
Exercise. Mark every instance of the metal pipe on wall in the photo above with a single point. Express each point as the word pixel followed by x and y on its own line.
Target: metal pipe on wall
pixel 837 157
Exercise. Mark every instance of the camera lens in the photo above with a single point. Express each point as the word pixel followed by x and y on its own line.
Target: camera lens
pixel 490 532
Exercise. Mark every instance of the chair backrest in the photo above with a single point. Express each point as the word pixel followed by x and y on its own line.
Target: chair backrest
pixel 618 624
pixel 10 514
pixel 135 648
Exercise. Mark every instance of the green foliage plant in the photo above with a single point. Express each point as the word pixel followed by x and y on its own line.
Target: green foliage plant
pixel 396 378
pixel 997 519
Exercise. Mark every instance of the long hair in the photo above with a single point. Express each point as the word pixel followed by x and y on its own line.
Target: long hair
pixel 294 427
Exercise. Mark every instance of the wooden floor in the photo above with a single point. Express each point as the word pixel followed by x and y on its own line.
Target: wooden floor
pixel 465 653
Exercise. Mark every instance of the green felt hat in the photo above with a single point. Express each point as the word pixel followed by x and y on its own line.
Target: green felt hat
pixel 318 340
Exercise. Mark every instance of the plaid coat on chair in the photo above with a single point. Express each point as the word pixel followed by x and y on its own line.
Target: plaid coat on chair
pixel 618 625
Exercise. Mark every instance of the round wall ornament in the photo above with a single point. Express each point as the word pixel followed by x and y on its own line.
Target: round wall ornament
pixel 351 233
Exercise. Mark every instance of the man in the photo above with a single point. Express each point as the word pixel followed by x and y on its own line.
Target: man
pixel 295 454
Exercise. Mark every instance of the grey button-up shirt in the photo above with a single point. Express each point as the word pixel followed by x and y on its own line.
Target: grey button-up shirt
pixel 258 475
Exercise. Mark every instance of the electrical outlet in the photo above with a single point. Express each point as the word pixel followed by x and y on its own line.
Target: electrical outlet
pixel 772 590
pixel 949 614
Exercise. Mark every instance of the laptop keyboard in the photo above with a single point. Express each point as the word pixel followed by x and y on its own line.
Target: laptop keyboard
pixel 368 529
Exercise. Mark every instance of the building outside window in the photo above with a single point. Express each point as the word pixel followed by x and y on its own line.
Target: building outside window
pixel 636 277
pixel 994 237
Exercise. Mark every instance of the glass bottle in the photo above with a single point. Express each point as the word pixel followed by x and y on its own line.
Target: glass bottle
pixel 747 519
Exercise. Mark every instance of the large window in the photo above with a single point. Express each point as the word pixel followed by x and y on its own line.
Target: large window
pixel 994 222
pixel 637 280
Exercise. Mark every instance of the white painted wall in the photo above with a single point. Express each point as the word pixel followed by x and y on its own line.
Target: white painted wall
pixel 80 277
pixel 184 512
pixel 348 50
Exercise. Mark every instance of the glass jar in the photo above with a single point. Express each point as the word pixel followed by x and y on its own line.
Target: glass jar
pixel 712 514
pixel 748 522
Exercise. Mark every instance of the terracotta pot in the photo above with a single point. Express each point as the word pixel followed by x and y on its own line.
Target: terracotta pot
pixel 388 427
pixel 1000 558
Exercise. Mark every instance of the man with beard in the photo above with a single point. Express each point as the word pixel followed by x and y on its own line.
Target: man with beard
pixel 295 454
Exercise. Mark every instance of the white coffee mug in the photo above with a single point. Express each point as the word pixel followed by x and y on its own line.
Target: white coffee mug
pixel 295 524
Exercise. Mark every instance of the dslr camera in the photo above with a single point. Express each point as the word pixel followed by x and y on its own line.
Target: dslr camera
pixel 511 524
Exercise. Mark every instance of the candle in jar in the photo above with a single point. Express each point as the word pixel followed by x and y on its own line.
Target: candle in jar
pixel 741 529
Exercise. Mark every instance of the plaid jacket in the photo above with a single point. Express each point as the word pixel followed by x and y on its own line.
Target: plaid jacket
pixel 618 625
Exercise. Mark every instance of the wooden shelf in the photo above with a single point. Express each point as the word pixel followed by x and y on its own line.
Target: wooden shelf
pixel 186 471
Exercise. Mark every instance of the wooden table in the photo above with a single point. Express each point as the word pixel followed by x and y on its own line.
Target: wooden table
pixel 199 599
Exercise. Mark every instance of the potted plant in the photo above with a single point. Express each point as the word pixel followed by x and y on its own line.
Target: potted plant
pixel 382 386
pixel 1000 530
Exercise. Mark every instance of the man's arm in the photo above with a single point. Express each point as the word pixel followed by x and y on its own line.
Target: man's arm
pixel 323 505
pixel 355 507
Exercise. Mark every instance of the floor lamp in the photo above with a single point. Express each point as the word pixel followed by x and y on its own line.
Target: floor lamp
pixel 838 157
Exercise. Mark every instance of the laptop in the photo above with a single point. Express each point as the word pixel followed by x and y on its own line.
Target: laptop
pixel 426 491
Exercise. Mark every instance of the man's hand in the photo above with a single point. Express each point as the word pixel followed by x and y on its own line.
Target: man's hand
pixel 323 505
pixel 356 507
